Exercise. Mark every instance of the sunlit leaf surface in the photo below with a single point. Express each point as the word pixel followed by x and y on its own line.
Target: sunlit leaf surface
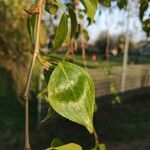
pixel 71 93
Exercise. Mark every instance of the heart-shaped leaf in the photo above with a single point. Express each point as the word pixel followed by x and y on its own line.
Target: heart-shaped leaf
pixel 71 93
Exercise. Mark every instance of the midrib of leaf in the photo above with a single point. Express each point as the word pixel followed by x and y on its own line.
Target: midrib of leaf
pixel 63 70
pixel 84 90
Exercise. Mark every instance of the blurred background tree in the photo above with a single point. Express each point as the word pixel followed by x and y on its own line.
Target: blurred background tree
pixel 15 48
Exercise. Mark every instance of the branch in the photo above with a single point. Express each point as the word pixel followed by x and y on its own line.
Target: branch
pixel 26 93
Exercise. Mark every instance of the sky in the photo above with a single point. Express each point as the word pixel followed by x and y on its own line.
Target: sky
pixel 115 22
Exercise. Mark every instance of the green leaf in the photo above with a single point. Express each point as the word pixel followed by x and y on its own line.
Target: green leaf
pixel 95 2
pixel 49 114
pixel 146 26
pixel 71 93
pixel 74 23
pixel 43 35
pixel 143 8
pixel 102 147
pixel 56 142
pixel 58 3
pixel 90 6
pixel 70 146
pixel 31 25
pixel 122 3
pixel 51 8
pixel 61 32
pixel 106 3
pixel 86 35
pixel 80 15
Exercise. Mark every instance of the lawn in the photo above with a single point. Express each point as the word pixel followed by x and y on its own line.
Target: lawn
pixel 113 61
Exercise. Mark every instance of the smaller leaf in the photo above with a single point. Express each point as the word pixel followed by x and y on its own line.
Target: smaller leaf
pixel 86 35
pixel 61 32
pixel 90 7
pixel 51 8
pixel 106 3
pixel 49 114
pixel 143 8
pixel 146 26
pixel 31 25
pixel 74 24
pixel 122 3
pixel 80 15
pixel 102 147
pixel 71 146
pixel 56 142
pixel 43 35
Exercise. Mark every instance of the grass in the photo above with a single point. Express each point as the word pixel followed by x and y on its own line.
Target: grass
pixel 113 61
pixel 131 59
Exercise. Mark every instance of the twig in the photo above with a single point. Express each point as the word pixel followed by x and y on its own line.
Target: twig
pixel 26 93
pixel 96 138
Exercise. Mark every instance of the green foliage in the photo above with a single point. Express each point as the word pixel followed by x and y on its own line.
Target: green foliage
pixel 56 142
pixel 43 35
pixel 102 147
pixel 105 3
pixel 68 96
pixel 31 23
pixel 66 88
pixel 49 114
pixel 90 7
pixel 61 32
pixel 146 26
pixel 70 146
pixel 117 100
pixel 14 39
pixel 86 35
pixel 122 3
pixel 74 24
pixel 51 8
pixel 143 8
